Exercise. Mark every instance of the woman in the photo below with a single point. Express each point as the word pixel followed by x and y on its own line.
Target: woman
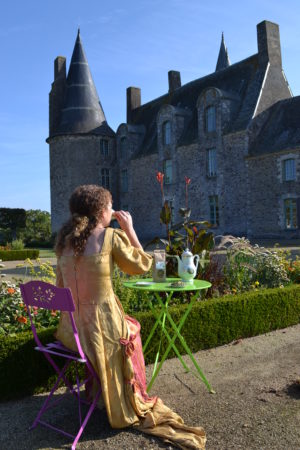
pixel 87 249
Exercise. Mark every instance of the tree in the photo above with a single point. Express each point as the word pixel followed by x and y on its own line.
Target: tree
pixel 12 221
pixel 38 226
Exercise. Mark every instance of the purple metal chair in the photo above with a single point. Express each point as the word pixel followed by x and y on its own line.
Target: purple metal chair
pixel 45 295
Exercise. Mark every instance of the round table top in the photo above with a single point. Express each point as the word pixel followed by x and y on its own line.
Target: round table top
pixel 147 284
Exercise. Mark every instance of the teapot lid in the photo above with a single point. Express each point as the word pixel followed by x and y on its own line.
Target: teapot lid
pixel 187 253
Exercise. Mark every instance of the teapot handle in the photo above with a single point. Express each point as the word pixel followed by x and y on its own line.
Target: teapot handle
pixel 198 259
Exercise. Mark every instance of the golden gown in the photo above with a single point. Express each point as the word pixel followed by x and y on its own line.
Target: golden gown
pixel 111 340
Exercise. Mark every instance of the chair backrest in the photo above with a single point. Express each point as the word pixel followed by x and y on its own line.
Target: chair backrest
pixel 47 296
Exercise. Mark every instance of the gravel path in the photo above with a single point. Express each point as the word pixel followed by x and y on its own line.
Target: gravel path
pixel 256 405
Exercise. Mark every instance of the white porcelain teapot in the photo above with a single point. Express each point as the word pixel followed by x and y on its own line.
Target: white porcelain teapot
pixel 187 268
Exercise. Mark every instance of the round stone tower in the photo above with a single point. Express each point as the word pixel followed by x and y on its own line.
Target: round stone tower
pixel 82 145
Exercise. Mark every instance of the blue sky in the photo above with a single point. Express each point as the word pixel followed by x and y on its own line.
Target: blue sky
pixel 127 43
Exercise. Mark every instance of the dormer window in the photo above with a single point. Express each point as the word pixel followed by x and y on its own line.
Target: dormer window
pixel 289 171
pixel 210 119
pixel 123 145
pixel 166 133
pixel 104 147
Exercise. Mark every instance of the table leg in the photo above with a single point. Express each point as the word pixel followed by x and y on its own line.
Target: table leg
pixel 153 329
pixel 158 317
pixel 172 343
pixel 183 342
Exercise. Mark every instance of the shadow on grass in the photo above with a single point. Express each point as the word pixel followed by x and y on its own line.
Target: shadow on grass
pixel 293 390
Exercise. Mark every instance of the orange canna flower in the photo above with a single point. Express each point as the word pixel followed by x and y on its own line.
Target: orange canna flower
pixel 11 291
pixel 159 176
pixel 22 319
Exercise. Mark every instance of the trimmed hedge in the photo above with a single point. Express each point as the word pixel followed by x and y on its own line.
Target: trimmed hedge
pixel 18 255
pixel 211 323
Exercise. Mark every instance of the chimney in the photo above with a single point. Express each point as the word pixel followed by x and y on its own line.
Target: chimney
pixel 56 96
pixel 59 67
pixel 174 80
pixel 268 42
pixel 133 101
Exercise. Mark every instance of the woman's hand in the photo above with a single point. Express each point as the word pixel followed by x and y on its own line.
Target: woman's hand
pixel 125 220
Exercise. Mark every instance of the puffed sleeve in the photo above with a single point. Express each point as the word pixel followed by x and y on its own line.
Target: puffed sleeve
pixel 59 277
pixel 131 260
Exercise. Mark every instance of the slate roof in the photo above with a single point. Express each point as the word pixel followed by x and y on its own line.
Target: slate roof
pixel 281 129
pixel 82 111
pixel 223 58
pixel 242 81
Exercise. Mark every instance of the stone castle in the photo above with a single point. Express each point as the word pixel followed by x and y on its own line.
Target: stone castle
pixel 234 132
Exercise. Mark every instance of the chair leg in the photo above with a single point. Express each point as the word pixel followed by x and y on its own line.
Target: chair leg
pixel 81 429
pixel 46 402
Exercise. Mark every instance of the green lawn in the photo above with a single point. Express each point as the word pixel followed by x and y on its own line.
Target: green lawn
pixel 46 253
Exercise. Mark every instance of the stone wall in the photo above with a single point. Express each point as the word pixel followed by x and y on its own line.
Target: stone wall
pixel 75 160
pixel 268 190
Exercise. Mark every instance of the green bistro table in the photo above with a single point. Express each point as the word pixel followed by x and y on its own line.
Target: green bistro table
pixel 147 284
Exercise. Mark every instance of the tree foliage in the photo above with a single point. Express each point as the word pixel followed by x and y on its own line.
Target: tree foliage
pixel 38 226
pixel 12 221
pixel 32 226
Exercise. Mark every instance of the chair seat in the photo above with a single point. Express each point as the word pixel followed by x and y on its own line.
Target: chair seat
pixel 61 351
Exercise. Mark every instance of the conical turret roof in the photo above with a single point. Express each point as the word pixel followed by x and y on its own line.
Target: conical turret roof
pixel 223 58
pixel 82 111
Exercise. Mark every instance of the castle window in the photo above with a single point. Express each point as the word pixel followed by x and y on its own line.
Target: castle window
pixel 290 213
pixel 104 147
pixel 171 206
pixel 289 170
pixel 214 210
pixel 168 178
pixel 166 133
pixel 212 162
pixel 124 180
pixel 105 178
pixel 123 144
pixel 210 119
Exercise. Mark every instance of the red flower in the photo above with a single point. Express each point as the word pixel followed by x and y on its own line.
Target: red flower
pixel 187 180
pixel 159 177
pixel 195 230
pixel 11 291
pixel 22 319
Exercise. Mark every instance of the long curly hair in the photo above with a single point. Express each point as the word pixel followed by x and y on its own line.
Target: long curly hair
pixel 86 204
